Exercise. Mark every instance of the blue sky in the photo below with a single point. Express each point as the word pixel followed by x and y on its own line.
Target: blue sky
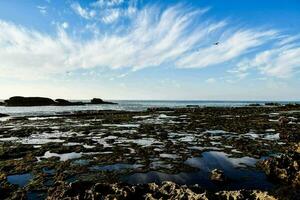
pixel 130 49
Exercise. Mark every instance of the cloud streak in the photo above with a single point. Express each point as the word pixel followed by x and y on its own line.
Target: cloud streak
pixel 281 61
pixel 176 36
pixel 85 13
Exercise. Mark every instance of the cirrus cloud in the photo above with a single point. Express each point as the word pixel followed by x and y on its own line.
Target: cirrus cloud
pixel 176 36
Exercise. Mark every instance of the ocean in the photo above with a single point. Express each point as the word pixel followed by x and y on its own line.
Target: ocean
pixel 127 105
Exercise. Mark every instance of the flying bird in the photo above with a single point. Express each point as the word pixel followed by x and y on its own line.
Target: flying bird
pixel 217 43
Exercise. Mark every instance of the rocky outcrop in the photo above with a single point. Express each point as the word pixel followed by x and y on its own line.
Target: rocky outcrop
pixel 63 102
pixel 42 101
pixel 151 191
pixel 217 175
pixel 29 101
pixel 272 104
pixel 245 194
pixel 3 115
pixel 284 169
pixel 100 101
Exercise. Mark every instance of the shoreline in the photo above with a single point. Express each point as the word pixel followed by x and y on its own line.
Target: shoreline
pixel 56 154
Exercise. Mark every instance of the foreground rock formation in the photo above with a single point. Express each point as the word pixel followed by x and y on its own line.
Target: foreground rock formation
pixel 217 175
pixel 284 169
pixel 151 191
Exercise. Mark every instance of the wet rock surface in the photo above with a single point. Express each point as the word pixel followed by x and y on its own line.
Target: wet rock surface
pixel 133 153
pixel 166 190
pixel 285 169
pixel 217 175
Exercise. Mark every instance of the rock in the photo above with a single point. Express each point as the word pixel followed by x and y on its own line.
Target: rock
pixel 29 101
pixel 254 104
pixel 100 101
pixel 217 175
pixel 283 121
pixel 3 115
pixel 272 104
pixel 245 194
pixel 2 103
pixel 42 101
pixel 151 191
pixel 5 192
pixel 2 176
pixel 297 148
pixel 284 169
pixel 192 106
pixel 63 102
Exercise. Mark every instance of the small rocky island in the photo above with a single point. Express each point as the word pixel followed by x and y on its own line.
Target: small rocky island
pixel 43 101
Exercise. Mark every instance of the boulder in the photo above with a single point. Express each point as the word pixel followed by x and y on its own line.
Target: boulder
pixel 3 115
pixel 217 175
pixel 29 101
pixel 100 101
pixel 63 102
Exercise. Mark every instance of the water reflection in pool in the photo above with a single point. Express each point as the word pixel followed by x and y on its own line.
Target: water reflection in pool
pixel 238 170
pixel 20 179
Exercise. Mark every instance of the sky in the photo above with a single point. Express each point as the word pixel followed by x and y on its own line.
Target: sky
pixel 154 50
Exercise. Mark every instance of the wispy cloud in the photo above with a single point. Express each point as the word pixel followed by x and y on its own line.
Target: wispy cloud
pixel 106 11
pixel 107 3
pixel 176 36
pixel 226 48
pixel 282 60
pixel 83 12
pixel 111 16
pixel 42 9
pixel 211 80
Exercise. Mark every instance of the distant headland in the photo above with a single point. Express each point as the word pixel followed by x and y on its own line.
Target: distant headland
pixel 44 101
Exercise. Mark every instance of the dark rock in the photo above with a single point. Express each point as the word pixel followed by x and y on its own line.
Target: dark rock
pixel 100 101
pixel 3 115
pixel 282 121
pixel 29 101
pixel 167 190
pixel 63 102
pixel 5 192
pixel 254 104
pixel 272 104
pixel 2 103
pixel 192 106
pixel 78 187
pixel 217 175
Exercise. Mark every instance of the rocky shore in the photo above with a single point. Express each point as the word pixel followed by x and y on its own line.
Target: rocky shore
pixel 162 153
pixel 151 191
pixel 43 101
